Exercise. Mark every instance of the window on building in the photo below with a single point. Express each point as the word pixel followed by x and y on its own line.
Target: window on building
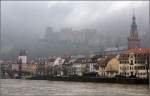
pixel 131 62
pixel 139 67
pixel 135 68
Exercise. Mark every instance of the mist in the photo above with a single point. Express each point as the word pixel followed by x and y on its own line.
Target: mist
pixel 76 27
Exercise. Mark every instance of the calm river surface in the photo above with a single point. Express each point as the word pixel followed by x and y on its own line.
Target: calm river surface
pixel 12 87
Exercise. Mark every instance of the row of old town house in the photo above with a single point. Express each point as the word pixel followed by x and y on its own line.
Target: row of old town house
pixel 130 62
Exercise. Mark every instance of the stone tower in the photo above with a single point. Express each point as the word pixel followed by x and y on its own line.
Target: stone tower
pixel 133 39
pixel 23 56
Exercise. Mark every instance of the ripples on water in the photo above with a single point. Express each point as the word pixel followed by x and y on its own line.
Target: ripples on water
pixel 12 87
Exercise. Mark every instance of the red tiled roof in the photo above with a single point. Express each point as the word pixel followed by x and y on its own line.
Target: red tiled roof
pixel 139 50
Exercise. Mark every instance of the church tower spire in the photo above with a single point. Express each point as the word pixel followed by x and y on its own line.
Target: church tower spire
pixel 133 39
pixel 133 26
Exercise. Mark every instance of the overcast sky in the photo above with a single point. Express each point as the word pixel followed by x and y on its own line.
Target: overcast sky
pixel 37 14
pixel 26 20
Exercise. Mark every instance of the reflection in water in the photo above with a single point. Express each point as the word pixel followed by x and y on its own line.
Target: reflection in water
pixel 12 87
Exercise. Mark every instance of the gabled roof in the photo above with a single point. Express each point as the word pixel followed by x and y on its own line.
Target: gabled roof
pixel 72 60
pixel 59 61
pixel 85 60
pixel 104 61
pixel 80 60
pixel 51 59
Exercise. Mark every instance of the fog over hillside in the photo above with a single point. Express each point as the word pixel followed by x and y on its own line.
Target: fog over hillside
pixel 45 28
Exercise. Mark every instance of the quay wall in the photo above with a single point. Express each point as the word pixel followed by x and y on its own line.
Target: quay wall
pixel 92 79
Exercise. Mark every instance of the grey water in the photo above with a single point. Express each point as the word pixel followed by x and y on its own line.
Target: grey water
pixel 16 87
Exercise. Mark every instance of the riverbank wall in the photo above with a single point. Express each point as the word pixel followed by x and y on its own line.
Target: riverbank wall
pixel 92 79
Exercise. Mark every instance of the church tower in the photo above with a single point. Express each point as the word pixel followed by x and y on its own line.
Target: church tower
pixel 22 56
pixel 133 39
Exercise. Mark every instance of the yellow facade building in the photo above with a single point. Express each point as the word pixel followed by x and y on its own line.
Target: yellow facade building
pixel 112 67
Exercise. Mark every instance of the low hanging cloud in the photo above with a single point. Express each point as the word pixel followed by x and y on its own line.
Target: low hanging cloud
pixel 24 22
pixel 88 12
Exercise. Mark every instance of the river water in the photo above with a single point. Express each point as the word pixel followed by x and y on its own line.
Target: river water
pixel 13 87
